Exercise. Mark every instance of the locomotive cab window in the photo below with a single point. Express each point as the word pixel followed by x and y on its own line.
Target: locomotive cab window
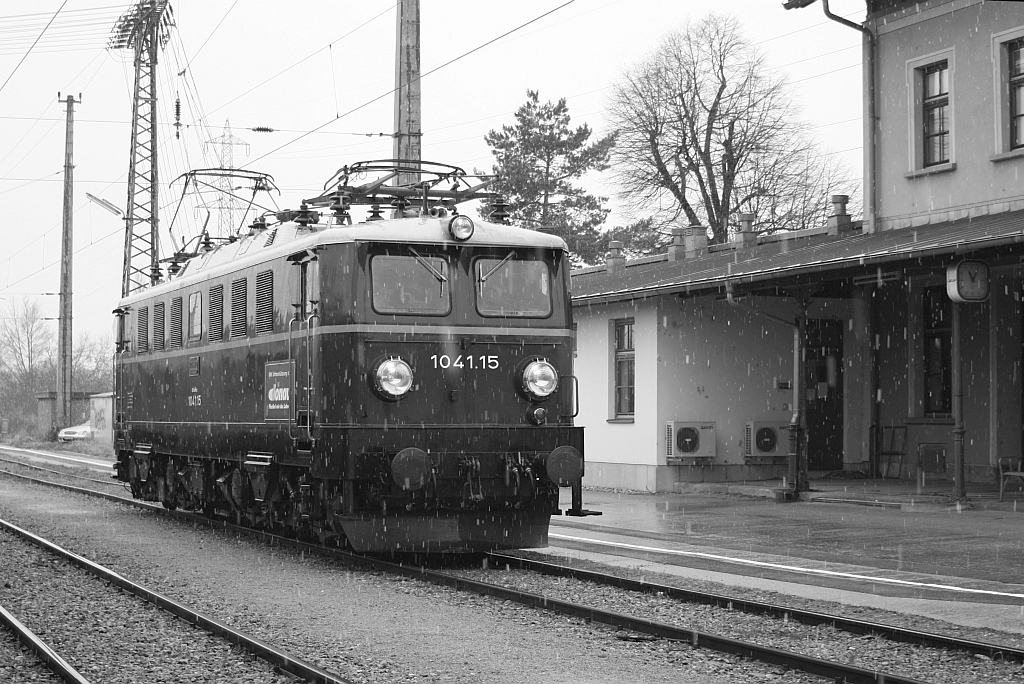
pixel 411 284
pixel 511 286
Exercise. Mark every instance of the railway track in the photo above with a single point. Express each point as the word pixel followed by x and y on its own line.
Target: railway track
pixel 47 655
pixel 104 596
pixel 837 671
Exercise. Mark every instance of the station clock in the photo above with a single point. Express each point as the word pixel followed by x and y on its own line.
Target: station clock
pixel 967 281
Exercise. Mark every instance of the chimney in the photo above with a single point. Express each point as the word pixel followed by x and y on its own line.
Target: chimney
pixel 839 222
pixel 677 250
pixel 696 240
pixel 616 263
pixel 745 236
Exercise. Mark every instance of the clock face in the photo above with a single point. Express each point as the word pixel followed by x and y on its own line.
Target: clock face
pixel 967 281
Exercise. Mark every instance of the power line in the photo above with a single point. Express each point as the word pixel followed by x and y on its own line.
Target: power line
pixel 307 57
pixel 22 61
pixel 420 78
pixel 188 63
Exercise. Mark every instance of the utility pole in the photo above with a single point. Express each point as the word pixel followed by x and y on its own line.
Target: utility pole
pixel 408 129
pixel 144 28
pixel 62 415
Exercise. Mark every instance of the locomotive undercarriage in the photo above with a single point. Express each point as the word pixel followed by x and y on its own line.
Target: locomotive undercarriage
pixel 384 501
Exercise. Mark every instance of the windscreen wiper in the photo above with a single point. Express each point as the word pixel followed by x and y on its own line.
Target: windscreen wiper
pixel 485 276
pixel 427 265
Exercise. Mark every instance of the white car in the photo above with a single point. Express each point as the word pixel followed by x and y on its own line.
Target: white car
pixel 70 434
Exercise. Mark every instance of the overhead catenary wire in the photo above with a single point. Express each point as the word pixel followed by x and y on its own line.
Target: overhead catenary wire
pixel 29 51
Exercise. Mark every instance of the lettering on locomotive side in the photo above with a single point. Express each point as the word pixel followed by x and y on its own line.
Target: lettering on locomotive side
pixel 277 384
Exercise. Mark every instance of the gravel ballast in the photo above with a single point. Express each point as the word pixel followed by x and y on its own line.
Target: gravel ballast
pixel 85 620
pixel 367 626
pixel 18 665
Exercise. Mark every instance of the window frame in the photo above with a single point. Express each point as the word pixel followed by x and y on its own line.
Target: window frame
pixel 931 103
pixel 624 353
pixel 918 161
pixel 195 311
pixel 1002 46
pixel 447 286
pixel 1015 84
pixel 475 264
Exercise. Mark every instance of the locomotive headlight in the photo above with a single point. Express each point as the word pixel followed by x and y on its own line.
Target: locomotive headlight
pixel 539 379
pixel 461 228
pixel 393 378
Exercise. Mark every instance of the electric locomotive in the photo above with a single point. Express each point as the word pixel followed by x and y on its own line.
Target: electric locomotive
pixel 399 384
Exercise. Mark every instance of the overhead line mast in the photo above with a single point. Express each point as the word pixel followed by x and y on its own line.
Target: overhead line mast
pixel 408 129
pixel 145 28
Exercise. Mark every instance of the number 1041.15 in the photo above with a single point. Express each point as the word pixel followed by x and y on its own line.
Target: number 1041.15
pixel 469 361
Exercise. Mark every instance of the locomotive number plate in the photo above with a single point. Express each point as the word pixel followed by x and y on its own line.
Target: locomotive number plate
pixel 478 362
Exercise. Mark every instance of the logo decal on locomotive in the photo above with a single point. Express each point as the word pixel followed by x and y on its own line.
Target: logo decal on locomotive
pixel 277 383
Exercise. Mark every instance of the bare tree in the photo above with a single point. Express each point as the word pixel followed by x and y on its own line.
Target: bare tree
pixel 91 363
pixel 706 130
pixel 26 359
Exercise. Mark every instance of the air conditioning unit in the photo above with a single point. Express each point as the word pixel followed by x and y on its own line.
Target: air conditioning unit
pixel 765 441
pixel 690 442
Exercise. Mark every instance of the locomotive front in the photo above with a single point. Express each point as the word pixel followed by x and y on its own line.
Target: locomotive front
pixel 445 362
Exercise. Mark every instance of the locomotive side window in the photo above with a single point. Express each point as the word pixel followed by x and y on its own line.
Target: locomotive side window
pixel 175 340
pixel 413 284
pixel 158 327
pixel 239 314
pixel 216 333
pixel 513 287
pixel 142 323
pixel 195 316
pixel 264 302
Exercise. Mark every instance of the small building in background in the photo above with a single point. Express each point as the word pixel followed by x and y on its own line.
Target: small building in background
pixel 46 404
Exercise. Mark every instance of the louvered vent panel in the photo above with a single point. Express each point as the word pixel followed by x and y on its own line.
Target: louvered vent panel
pixel 238 312
pixel 264 302
pixel 216 333
pixel 175 340
pixel 270 238
pixel 142 322
pixel 158 327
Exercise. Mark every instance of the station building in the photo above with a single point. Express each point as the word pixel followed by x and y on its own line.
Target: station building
pixel 894 334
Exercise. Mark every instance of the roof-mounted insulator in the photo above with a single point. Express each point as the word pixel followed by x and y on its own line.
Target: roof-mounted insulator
pixel 259 223
pixel 375 213
pixel 305 216
pixel 340 207
pixel 173 269
pixel 499 210
pixel 206 244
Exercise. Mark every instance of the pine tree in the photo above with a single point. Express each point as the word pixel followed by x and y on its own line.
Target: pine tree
pixel 539 159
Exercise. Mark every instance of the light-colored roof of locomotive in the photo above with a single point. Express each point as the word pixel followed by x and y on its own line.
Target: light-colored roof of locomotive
pixel 289 238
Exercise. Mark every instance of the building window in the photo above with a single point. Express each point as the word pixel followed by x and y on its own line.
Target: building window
pixel 1016 74
pixel 938 351
pixel 625 366
pixel 195 316
pixel 935 114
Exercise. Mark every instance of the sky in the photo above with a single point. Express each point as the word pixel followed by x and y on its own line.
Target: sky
pixel 320 74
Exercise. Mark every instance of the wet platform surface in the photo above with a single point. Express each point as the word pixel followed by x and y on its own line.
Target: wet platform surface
pixel 878 543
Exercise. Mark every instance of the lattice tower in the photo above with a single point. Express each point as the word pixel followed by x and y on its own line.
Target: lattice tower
pixel 227 203
pixel 144 28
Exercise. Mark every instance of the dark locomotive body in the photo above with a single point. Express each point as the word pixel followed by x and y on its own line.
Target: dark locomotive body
pixel 258 384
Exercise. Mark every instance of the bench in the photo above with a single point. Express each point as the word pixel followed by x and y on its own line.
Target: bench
pixel 1009 469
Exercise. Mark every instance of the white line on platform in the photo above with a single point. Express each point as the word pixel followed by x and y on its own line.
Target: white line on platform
pixel 788 568
pixel 50 454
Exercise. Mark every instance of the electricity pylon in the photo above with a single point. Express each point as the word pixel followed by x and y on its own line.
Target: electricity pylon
pixel 145 28
pixel 227 203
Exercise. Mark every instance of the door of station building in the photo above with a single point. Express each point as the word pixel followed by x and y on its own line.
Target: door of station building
pixel 824 375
